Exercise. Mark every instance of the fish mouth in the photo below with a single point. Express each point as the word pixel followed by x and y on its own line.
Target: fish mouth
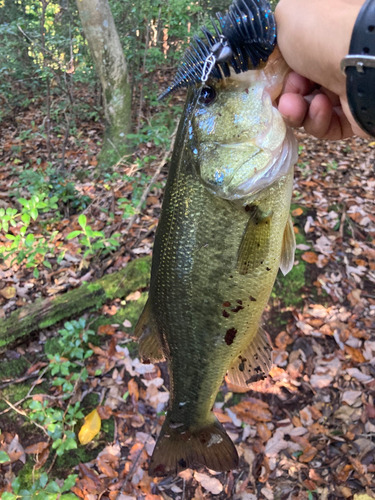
pixel 247 176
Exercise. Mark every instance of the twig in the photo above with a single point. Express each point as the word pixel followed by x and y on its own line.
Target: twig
pixel 24 414
pixel 151 183
pixel 28 395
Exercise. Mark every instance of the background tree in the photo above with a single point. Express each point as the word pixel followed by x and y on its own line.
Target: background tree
pixel 101 34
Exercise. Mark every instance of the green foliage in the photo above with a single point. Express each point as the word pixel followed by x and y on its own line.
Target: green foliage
pixel 65 365
pixel 25 245
pixel 42 489
pixel 67 368
pixel 94 241
pixel 52 184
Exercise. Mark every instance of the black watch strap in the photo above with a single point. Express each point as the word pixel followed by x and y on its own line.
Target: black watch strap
pixel 359 67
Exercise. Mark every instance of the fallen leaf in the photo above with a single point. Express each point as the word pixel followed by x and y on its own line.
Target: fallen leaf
pixel 133 389
pixel 355 354
pixel 248 412
pixel 321 381
pixel 310 257
pixel 134 296
pixel 297 211
pixel 105 412
pixel 90 428
pixel 36 448
pixel 106 330
pixel 127 324
pixel 211 484
pixel 111 310
pixel 263 432
pixel 8 293
pixel 350 397
pixel 308 455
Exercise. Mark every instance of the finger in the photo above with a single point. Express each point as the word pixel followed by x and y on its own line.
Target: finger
pixel 297 84
pixel 293 108
pixel 321 120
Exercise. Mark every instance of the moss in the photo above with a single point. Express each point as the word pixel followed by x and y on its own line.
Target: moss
pixel 13 393
pixel 52 346
pixel 65 464
pixel 108 428
pixel 91 401
pixel 27 319
pixel 27 476
pixel 13 369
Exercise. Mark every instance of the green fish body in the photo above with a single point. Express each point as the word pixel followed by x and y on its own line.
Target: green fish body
pixel 224 231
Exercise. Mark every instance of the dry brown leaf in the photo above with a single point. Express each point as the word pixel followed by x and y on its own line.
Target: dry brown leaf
pixel 37 448
pixel 106 330
pixel 133 389
pixel 42 458
pixel 105 412
pixel 308 455
pixel 110 310
pixel 138 452
pixel 297 211
pixel 248 412
pixel 310 257
pixel 263 432
pixel 134 296
pixel 355 354
pixel 211 484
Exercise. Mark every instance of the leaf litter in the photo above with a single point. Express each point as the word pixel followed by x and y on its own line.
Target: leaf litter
pixel 307 431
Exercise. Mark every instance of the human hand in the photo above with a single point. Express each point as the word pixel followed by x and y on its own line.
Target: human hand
pixel 313 36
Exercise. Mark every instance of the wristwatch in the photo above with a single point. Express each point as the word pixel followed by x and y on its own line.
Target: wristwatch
pixel 359 68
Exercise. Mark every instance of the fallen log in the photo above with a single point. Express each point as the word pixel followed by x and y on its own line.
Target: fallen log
pixel 44 313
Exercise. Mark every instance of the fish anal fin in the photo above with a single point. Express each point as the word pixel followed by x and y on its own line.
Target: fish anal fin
pixel 178 449
pixel 149 340
pixel 288 248
pixel 255 242
pixel 254 363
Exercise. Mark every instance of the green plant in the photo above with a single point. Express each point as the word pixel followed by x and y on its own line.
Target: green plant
pixel 25 246
pixel 43 490
pixel 94 241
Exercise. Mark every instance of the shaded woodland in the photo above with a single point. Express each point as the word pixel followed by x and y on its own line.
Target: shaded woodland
pixel 85 148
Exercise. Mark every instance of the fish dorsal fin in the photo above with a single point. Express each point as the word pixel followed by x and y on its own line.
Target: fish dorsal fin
pixel 255 241
pixel 288 248
pixel 253 363
pixel 149 340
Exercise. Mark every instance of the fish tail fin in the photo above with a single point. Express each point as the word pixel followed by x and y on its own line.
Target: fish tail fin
pixel 176 449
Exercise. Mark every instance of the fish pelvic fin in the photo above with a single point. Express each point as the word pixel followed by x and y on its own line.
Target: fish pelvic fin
pixel 255 242
pixel 178 449
pixel 288 248
pixel 149 339
pixel 254 363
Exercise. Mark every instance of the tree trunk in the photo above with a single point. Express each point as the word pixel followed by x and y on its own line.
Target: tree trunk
pixel 47 312
pixel 106 51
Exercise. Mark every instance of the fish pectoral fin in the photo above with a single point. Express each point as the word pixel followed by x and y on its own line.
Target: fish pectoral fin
pixel 254 363
pixel 149 340
pixel 255 242
pixel 179 448
pixel 288 248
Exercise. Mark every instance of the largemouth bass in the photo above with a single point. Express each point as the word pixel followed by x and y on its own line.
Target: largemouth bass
pixel 224 231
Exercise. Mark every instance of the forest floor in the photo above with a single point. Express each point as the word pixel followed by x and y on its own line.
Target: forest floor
pixel 306 432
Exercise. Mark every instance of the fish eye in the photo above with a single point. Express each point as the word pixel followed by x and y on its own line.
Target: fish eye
pixel 208 96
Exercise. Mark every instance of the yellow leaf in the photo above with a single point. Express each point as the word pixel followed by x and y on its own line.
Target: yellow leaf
pixel 371 144
pixel 364 496
pixel 90 428
pixel 8 292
